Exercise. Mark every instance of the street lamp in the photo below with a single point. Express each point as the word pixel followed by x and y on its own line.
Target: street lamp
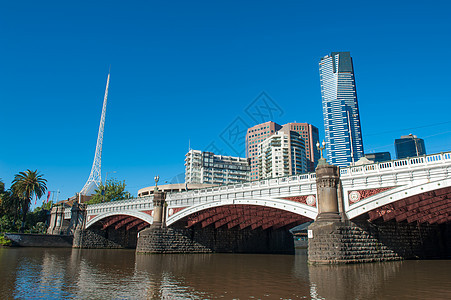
pixel 322 160
pixel 157 178
pixel 321 148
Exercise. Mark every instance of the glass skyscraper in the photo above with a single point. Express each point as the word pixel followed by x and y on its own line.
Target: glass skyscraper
pixel 409 146
pixel 344 144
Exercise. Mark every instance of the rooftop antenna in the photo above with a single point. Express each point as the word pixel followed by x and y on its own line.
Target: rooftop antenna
pixel 95 179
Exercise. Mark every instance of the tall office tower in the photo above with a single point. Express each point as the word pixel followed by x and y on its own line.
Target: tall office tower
pixel 207 167
pixel 310 134
pixel 409 146
pixel 254 136
pixel 282 154
pixel 343 134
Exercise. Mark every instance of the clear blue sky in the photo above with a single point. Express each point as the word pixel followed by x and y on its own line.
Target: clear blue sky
pixel 190 71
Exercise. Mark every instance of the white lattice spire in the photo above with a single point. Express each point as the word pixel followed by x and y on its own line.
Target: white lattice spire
pixel 95 178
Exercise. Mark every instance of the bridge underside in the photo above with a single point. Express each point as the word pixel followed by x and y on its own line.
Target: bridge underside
pixel 119 222
pixel 116 231
pixel 240 217
pixel 431 207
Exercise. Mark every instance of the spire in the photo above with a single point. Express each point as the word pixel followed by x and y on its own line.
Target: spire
pixel 95 178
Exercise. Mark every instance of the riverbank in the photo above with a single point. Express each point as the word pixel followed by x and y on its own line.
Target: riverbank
pixel 39 240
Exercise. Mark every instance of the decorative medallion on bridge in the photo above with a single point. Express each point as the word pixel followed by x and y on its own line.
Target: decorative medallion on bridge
pixel 310 200
pixel 356 196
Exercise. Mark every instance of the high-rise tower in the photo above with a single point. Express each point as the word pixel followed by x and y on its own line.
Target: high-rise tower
pixel 409 146
pixel 343 133
pixel 95 178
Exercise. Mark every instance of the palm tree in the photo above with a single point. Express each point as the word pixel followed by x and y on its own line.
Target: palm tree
pixel 25 185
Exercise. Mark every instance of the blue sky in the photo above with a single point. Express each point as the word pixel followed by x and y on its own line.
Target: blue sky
pixel 193 71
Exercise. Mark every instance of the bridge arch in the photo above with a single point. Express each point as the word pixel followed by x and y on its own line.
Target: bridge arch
pixel 136 214
pixel 245 212
pixel 405 201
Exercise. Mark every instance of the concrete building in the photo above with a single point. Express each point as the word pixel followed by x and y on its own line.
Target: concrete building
pixel 173 187
pixel 209 168
pixel 378 156
pixel 281 154
pixel 254 136
pixel 311 136
pixel 409 146
pixel 257 134
pixel 344 143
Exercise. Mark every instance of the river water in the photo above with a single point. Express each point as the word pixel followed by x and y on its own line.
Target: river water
pixel 121 274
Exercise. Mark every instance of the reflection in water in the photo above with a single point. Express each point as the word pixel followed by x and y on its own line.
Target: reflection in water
pixel 93 274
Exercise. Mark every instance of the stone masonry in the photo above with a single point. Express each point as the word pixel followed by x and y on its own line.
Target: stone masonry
pixel 335 240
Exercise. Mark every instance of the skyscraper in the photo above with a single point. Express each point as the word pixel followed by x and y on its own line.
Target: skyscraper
pixel 254 136
pixel 343 134
pixel 282 154
pixel 310 135
pixel 409 146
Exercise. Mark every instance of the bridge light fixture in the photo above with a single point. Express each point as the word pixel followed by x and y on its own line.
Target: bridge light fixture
pixel 322 160
pixel 157 178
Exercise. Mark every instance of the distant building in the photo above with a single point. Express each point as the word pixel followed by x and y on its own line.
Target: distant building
pixel 311 136
pixel 378 156
pixel 409 146
pixel 254 136
pixel 209 168
pixel 344 144
pixel 173 187
pixel 282 154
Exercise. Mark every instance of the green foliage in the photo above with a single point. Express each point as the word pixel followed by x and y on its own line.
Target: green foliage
pixel 40 227
pixel 24 186
pixel 12 208
pixel 10 205
pixel 8 224
pixel 39 215
pixel 114 190
pixel 4 241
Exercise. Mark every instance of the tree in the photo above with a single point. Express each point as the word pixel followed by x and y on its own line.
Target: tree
pixel 25 185
pixel 114 190
pixel 10 208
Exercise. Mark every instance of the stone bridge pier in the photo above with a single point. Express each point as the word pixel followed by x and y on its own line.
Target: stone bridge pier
pixel 334 239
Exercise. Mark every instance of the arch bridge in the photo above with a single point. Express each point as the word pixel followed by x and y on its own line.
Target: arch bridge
pixel 405 190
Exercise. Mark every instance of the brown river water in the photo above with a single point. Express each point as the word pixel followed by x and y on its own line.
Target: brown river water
pixel 48 273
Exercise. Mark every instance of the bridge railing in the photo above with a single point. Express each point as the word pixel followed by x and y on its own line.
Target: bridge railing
pixel 140 203
pixel 298 184
pixel 266 187
pixel 399 164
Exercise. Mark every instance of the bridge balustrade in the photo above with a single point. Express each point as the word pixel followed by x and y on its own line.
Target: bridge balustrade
pixel 402 171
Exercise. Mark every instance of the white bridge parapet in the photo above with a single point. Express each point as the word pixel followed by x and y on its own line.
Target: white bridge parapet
pixel 263 189
pixel 397 174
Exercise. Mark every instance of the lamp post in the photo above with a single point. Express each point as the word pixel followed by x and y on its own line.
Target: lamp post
pixel 157 178
pixel 322 160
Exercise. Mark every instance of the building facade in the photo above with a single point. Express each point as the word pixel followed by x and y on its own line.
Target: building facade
pixel 281 154
pixel 378 156
pixel 409 146
pixel 254 136
pixel 311 136
pixel 343 134
pixel 209 168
